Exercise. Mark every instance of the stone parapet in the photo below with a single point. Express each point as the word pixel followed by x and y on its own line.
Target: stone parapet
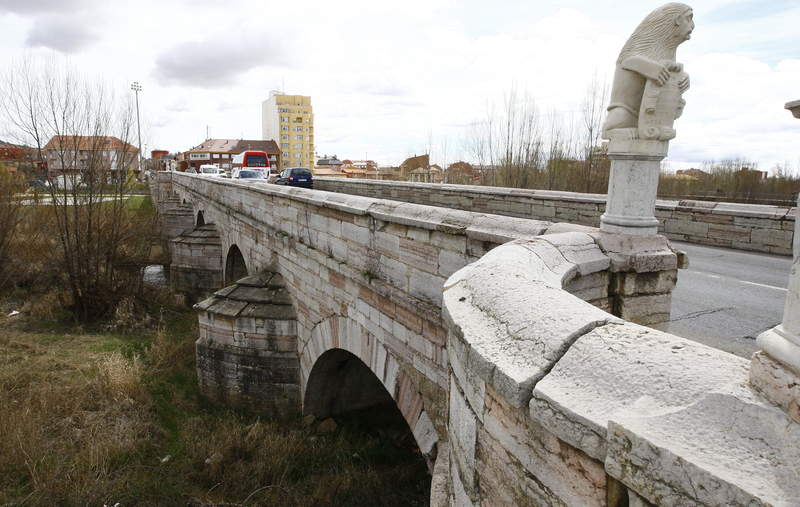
pixel 555 402
pixel 744 226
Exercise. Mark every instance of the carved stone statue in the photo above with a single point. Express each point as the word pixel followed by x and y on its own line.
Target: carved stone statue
pixel 648 82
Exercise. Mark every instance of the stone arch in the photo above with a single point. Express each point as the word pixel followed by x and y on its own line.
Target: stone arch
pixel 201 221
pixel 329 357
pixel 235 265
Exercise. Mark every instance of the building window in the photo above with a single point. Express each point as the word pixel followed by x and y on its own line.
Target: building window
pixel 298 146
pixel 285 146
pixel 298 155
pixel 284 119
pixel 285 154
pixel 284 127
pixel 285 137
pixel 298 129
pixel 298 137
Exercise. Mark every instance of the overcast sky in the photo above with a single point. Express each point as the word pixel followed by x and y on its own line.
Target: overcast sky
pixel 387 79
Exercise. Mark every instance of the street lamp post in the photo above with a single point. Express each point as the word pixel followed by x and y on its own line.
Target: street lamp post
pixel 136 87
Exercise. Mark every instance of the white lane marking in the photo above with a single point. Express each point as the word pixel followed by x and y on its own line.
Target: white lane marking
pixel 711 275
pixel 762 285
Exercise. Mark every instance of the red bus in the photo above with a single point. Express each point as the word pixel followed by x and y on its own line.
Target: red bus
pixel 253 160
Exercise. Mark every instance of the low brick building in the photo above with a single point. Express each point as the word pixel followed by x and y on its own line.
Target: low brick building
pixel 80 153
pixel 220 152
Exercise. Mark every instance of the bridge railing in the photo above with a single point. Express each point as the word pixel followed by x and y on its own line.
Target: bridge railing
pixel 744 226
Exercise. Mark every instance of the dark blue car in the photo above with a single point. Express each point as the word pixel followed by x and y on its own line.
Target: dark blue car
pixel 296 177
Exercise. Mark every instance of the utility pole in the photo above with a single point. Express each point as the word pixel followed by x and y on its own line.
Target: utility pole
pixel 136 87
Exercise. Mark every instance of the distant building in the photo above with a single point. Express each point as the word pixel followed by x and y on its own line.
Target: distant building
pixel 691 174
pixel 462 173
pixel 78 153
pixel 15 157
pixel 220 152
pixel 289 120
pixel 158 154
pixel 329 166
pixel 365 169
pixel 433 174
pixel 745 172
pixel 419 163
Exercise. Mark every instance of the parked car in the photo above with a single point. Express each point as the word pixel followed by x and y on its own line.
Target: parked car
pixel 296 177
pixel 212 170
pixel 38 184
pixel 250 176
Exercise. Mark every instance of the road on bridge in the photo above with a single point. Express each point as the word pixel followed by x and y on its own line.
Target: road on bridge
pixel 727 297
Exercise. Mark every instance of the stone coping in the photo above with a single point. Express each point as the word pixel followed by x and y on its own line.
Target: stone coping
pixel 693 206
pixel 204 235
pixel 509 317
pixel 478 226
pixel 261 296
pixel 673 420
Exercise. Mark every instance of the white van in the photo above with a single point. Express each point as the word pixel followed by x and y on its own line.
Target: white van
pixel 211 170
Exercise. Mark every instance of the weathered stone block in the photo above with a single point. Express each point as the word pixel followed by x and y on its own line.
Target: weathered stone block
pixel 778 383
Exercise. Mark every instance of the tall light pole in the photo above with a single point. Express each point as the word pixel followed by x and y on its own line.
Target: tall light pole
pixel 136 87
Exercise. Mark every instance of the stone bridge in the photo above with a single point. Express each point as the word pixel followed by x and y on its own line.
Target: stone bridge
pixel 513 348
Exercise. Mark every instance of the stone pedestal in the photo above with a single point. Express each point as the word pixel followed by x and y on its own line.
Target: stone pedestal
pixel 643 275
pixel 632 186
pixel 247 349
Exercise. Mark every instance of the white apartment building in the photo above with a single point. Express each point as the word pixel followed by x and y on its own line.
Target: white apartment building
pixel 289 120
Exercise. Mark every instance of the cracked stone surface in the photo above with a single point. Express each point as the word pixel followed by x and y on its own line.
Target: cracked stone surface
pixel 625 368
pixel 513 317
pixel 730 447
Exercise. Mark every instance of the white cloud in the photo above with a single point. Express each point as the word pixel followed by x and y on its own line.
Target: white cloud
pixel 389 79
pixel 216 61
pixel 63 33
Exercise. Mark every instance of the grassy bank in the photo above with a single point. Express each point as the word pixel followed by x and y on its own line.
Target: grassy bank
pixel 92 418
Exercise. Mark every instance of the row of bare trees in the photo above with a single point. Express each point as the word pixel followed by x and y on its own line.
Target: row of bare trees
pixel 519 146
pixel 79 132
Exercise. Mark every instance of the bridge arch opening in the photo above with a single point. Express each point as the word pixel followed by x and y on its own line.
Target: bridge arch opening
pixel 200 219
pixel 235 267
pixel 341 386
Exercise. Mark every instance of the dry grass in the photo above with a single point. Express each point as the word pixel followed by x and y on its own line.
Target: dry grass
pixel 93 419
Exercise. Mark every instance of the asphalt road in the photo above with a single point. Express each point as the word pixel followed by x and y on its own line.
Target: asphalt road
pixel 727 297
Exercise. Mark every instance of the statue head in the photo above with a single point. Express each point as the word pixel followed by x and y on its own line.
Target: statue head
pixel 660 33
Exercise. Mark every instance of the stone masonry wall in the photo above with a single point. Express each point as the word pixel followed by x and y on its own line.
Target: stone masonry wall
pixel 378 267
pixel 379 263
pixel 748 227
pixel 564 404
pixel 374 277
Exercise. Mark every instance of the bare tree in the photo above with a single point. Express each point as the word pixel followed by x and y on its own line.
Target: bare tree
pixel 80 132
pixel 593 110
pixel 10 216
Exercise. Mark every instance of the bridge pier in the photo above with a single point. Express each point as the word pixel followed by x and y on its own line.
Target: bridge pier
pixel 247 348
pixel 196 268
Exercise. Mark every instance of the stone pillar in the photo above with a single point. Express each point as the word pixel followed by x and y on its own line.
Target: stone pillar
pixel 775 370
pixel 646 99
pixel 632 187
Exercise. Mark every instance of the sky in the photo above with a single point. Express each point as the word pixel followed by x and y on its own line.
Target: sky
pixel 389 80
